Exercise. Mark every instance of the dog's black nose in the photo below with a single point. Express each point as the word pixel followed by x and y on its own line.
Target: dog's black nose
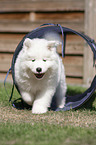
pixel 39 69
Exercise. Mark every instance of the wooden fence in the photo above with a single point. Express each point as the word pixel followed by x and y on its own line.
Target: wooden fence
pixel 18 17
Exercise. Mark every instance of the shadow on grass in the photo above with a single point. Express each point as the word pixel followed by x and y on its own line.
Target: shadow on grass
pixel 20 104
pixel 89 103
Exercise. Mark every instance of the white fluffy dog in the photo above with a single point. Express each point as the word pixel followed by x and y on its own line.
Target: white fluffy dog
pixel 39 74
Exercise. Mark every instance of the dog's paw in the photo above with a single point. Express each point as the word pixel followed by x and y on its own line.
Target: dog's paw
pixel 38 109
pixel 61 105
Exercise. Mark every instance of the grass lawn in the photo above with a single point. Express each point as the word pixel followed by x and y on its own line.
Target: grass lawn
pixel 21 127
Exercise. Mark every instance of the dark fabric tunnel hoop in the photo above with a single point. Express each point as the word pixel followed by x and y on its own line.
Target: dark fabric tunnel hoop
pixel 71 102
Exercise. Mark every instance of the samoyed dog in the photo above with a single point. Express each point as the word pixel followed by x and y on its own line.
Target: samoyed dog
pixel 39 74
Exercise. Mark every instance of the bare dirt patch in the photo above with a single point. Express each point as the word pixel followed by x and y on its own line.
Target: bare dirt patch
pixel 82 118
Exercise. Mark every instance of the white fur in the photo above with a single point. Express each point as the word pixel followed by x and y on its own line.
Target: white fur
pixel 39 92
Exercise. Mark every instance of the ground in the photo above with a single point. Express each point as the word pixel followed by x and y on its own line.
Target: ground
pixel 20 127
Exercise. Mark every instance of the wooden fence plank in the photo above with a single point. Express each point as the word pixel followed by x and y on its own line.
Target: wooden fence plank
pixel 90 29
pixel 26 6
pixel 74 45
pixel 73 65
pixel 79 16
pixel 9 42
pixel 14 16
pixel 25 26
pixel 74 81
pixel 5 62
pixel 73 60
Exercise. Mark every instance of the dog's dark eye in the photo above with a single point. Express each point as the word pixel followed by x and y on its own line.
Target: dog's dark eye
pixel 44 60
pixel 33 60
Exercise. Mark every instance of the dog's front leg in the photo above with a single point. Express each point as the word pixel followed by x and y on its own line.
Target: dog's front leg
pixel 27 97
pixel 42 101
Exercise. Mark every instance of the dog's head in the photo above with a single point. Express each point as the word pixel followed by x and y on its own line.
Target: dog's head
pixel 39 55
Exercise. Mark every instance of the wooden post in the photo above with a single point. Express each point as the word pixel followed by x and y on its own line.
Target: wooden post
pixel 90 30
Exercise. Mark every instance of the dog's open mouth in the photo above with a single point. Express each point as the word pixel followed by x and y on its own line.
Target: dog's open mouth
pixel 39 76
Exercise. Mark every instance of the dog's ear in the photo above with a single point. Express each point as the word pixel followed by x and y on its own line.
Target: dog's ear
pixel 53 44
pixel 27 43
